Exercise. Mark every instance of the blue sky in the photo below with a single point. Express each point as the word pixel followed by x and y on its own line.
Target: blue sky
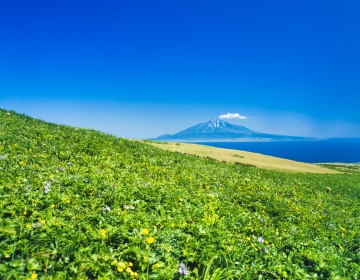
pixel 140 69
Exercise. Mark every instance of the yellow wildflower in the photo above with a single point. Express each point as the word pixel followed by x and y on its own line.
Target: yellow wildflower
pixel 122 265
pixel 128 270
pixel 156 266
pixel 102 232
pixel 145 231
pixel 120 269
pixel 52 206
pixel 28 226
pixel 42 222
pixel 34 276
pixel 150 240
pixel 130 264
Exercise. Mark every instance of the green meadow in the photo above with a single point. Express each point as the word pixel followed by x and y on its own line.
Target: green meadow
pixel 80 204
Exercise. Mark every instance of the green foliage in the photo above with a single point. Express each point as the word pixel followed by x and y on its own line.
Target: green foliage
pixel 343 167
pixel 80 204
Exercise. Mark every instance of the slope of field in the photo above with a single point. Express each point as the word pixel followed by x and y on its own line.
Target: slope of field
pixel 243 157
pixel 80 204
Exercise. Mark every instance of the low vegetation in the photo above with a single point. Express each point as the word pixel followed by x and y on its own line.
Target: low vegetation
pixel 343 167
pixel 80 204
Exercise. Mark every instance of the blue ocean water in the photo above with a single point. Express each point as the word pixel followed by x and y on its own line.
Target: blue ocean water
pixel 346 150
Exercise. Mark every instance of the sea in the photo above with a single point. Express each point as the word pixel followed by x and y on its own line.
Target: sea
pixel 344 150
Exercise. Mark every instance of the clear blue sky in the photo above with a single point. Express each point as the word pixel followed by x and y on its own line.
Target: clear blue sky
pixel 144 68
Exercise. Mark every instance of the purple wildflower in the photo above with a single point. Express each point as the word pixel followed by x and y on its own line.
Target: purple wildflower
pixel 266 250
pixel 294 230
pixel 1 157
pixel 182 269
pixel 69 163
pixel 47 187
pixel 260 239
pixel 106 208
pixel 27 188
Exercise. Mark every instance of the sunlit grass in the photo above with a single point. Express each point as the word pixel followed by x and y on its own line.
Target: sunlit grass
pixel 243 157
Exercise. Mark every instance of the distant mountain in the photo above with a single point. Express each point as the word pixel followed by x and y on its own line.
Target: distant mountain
pixel 219 130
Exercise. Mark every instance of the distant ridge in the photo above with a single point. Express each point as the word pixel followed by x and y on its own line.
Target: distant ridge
pixel 216 130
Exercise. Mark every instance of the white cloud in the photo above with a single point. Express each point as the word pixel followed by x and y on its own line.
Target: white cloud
pixel 232 116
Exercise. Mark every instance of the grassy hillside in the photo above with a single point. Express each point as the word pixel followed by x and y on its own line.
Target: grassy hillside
pixel 80 204
pixel 243 157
